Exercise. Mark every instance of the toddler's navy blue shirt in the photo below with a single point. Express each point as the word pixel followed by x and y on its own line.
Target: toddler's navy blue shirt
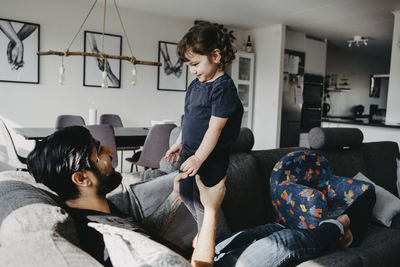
pixel 218 98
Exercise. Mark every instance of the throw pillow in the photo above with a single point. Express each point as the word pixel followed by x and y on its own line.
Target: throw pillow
pixel 398 176
pixel 128 248
pixel 387 205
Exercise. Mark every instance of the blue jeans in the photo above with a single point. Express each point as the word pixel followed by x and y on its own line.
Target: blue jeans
pixel 274 245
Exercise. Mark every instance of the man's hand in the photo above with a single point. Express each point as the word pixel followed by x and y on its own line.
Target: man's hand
pixel 211 197
pixel 191 165
pixel 174 153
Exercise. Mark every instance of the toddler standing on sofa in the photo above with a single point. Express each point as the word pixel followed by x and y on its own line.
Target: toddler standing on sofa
pixel 212 114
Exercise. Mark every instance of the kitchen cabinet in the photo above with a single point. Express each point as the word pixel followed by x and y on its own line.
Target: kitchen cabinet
pixel 242 73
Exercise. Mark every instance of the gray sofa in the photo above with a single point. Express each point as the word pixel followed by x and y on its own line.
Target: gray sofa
pixel 36 231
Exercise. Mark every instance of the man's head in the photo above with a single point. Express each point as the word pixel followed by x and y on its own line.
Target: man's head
pixel 71 160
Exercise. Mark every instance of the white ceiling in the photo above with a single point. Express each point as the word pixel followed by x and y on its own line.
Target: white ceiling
pixel 335 20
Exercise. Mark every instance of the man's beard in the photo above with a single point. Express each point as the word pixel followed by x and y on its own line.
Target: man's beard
pixel 107 183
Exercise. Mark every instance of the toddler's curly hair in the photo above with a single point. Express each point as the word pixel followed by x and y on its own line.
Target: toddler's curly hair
pixel 203 38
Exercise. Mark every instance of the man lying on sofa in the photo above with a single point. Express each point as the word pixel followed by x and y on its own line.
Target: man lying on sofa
pixel 78 168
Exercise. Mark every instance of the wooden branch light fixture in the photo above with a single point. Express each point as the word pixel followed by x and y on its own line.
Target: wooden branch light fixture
pixel 101 55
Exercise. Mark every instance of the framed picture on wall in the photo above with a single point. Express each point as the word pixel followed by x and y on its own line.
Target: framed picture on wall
pixel 93 67
pixel 172 75
pixel 19 42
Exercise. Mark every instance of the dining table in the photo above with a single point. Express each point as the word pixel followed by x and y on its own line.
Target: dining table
pixel 124 136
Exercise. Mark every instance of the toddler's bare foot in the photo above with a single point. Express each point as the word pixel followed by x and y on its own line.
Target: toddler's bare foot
pixel 347 238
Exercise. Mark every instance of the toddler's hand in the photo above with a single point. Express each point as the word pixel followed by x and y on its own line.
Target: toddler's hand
pixel 173 153
pixel 191 165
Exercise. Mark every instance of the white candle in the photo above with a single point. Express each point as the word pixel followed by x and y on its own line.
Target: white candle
pixel 92 116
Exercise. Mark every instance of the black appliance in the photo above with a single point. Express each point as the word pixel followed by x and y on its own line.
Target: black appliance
pixel 312 101
pixel 291 105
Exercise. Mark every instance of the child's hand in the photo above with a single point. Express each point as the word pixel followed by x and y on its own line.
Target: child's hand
pixel 173 153
pixel 191 165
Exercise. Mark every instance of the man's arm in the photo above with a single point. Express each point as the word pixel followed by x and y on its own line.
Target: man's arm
pixel 211 198
pixel 210 139
pixel 160 220
pixel 162 217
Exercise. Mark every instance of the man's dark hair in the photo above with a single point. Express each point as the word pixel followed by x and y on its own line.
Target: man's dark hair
pixel 58 156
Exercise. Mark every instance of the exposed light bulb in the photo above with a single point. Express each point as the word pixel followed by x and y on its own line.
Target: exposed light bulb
pixel 365 43
pixel 349 44
pixel 61 80
pixel 134 74
pixel 104 83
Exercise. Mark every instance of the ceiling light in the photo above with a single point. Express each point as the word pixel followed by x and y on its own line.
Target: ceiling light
pixel 103 56
pixel 358 39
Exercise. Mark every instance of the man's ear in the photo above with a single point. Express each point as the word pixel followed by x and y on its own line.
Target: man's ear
pixel 216 56
pixel 81 178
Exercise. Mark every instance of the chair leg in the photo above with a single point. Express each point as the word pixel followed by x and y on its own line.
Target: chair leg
pixel 132 167
pixel 122 160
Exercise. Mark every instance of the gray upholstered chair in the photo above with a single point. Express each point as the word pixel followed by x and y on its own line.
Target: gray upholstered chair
pixel 13 159
pixel 154 148
pixel 105 134
pixel 69 120
pixel 112 119
pixel 115 121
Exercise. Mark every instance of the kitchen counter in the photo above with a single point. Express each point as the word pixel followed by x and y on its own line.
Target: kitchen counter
pixel 358 121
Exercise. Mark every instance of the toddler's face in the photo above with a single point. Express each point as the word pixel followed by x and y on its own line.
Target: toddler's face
pixel 206 69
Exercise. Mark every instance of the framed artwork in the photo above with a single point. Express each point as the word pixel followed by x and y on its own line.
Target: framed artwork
pixel 93 67
pixel 19 42
pixel 172 75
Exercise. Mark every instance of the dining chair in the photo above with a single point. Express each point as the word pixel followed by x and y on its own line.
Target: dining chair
pixel 115 121
pixel 105 134
pixel 14 160
pixel 112 119
pixel 154 147
pixel 69 120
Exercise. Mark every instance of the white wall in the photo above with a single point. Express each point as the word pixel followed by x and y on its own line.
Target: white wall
pixel 358 68
pixel 269 44
pixel 38 105
pixel 393 107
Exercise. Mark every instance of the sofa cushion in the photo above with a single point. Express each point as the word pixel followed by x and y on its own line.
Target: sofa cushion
pixel 244 205
pixel 387 205
pixel 398 176
pixel 16 194
pixel 244 142
pixel 337 258
pixel 40 235
pixel 381 166
pixel 334 138
pixel 29 207
pixel 380 247
pixel 44 249
pixel 129 248
pixel 345 162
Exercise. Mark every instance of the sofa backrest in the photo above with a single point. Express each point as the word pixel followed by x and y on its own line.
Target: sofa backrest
pixel 380 161
pixel 34 229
